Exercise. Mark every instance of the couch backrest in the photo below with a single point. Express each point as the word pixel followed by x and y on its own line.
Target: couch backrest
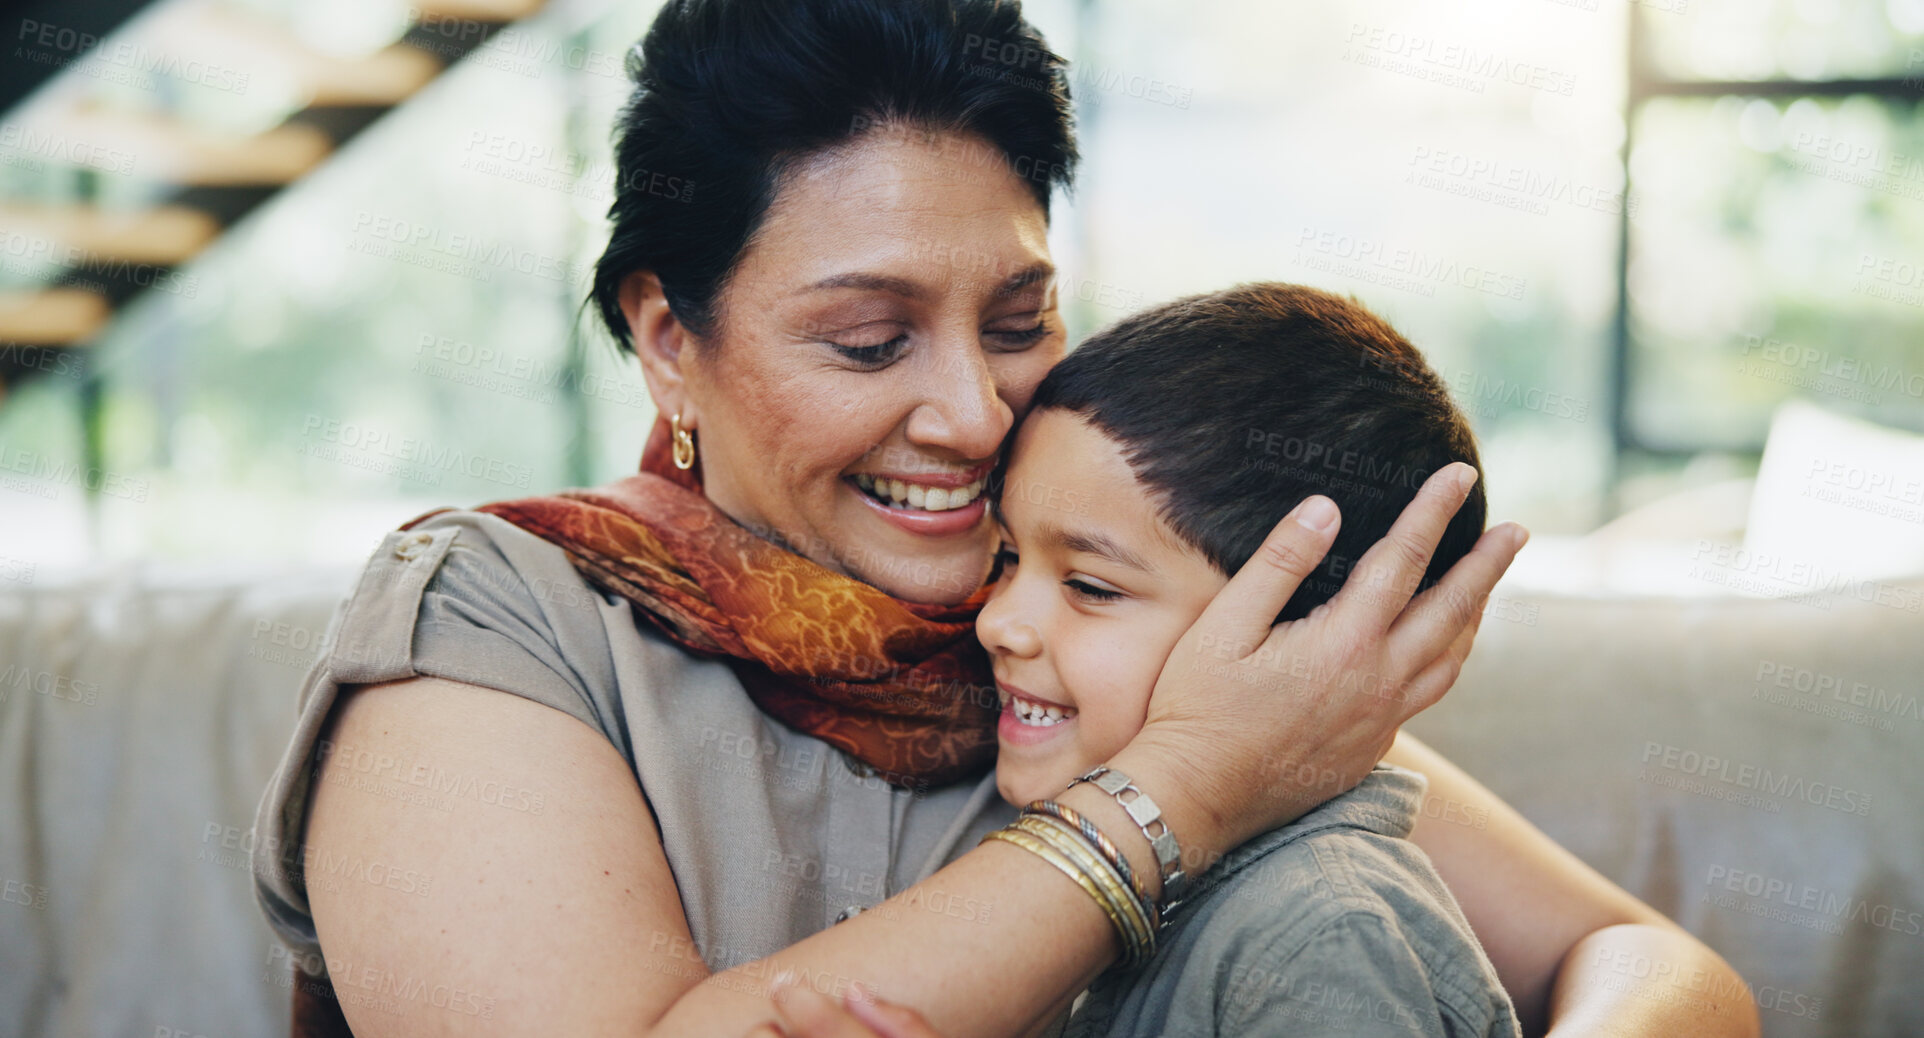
pixel 1750 767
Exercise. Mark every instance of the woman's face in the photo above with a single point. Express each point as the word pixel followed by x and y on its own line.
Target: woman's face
pixel 883 332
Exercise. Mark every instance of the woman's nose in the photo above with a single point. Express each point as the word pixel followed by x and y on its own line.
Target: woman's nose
pixel 1001 626
pixel 963 412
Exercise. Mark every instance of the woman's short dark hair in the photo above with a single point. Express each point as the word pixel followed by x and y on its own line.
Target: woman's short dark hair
pixel 729 93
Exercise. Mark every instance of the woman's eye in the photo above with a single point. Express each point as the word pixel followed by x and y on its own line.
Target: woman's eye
pixel 1090 591
pixel 1014 339
pixel 1006 559
pixel 873 356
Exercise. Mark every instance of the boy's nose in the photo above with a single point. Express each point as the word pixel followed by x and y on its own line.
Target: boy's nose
pixel 1001 628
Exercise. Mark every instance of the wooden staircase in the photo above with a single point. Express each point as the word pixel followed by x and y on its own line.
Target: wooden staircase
pixel 72 255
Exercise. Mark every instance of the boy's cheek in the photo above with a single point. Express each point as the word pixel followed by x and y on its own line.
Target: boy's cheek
pixel 1104 732
pixel 1027 773
pixel 1028 782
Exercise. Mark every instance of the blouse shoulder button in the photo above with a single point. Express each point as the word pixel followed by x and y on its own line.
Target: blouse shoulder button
pixel 412 545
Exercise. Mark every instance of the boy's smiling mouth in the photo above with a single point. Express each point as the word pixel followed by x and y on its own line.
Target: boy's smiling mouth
pixel 1030 711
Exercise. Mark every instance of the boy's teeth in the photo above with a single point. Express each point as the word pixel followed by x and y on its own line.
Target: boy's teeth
pixel 1039 716
pixel 913 495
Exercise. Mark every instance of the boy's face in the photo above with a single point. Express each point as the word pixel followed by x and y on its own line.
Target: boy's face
pixel 1095 590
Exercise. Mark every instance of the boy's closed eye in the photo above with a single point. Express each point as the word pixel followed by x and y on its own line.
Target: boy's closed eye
pixel 1091 591
pixel 1081 586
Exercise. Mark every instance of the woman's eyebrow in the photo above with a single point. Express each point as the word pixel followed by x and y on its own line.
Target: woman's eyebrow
pixel 900 286
pixel 1024 278
pixel 871 282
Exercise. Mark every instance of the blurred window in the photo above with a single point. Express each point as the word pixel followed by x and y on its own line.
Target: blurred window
pixel 1777 179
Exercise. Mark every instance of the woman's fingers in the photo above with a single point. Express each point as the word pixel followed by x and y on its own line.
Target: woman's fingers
pixel 1243 612
pixel 1228 715
pixel 806 1013
pixel 888 1019
pixel 1392 569
pixel 1432 681
pixel 1437 618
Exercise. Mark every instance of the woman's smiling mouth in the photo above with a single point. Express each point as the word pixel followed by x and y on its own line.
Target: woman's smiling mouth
pixel 943 502
pixel 896 493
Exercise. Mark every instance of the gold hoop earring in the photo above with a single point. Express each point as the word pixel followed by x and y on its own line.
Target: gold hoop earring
pixel 684 443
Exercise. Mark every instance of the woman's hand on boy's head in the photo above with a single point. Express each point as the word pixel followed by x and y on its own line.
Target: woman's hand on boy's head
pixel 1265 722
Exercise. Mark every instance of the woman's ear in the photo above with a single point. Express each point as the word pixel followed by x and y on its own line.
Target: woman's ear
pixel 660 342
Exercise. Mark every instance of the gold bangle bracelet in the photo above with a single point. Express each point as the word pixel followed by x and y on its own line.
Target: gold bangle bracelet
pixel 1141 906
pixel 1071 843
pixel 1108 847
pixel 1036 846
pixel 1138 938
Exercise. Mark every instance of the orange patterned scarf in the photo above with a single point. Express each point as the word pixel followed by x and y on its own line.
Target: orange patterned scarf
pixel 901 686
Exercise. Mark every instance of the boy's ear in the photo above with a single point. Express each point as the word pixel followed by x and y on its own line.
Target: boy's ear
pixel 661 343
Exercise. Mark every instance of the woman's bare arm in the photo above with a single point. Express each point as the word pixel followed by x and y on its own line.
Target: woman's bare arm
pixel 566 920
pixel 1563 938
pixel 561 920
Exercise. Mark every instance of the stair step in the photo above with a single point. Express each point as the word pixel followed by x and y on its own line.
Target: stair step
pixel 387 77
pixel 52 317
pixel 165 236
pixel 478 10
pixel 163 148
pixel 244 52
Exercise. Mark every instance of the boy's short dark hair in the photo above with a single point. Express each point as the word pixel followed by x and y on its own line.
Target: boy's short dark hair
pixel 1233 407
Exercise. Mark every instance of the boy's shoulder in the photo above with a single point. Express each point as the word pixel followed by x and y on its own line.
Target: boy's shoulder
pixel 1335 923
pixel 1346 862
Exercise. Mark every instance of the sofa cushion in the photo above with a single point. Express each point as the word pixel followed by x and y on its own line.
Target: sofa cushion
pixel 141 712
pixel 1749 767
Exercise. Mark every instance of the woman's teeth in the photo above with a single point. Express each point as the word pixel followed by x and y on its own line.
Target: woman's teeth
pixel 1032 713
pixel 914 495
